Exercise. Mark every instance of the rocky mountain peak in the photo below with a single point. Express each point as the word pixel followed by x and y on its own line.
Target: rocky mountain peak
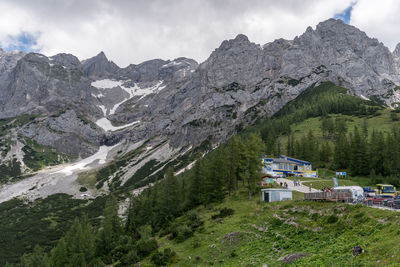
pixel 239 40
pixel 99 66
pixel 66 60
pixel 9 59
pixel 396 51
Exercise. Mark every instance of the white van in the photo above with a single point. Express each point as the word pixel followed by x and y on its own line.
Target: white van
pixel 356 191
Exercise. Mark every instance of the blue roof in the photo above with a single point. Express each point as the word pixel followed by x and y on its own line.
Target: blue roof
pixel 295 160
pixel 284 159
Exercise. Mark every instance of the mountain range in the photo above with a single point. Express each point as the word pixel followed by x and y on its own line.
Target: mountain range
pixel 92 112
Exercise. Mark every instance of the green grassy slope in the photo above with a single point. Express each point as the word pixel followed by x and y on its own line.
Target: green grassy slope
pixel 261 233
pixel 380 121
pixel 306 112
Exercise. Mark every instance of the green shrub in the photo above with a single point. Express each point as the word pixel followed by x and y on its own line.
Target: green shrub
pixel 315 216
pixel 130 259
pixel 224 212
pixel 145 247
pixel 194 221
pixel 181 233
pixel 196 242
pixel 332 219
pixel 275 222
pixel 163 258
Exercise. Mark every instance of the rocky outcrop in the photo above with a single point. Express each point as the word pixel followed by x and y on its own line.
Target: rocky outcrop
pixel 99 67
pixel 66 132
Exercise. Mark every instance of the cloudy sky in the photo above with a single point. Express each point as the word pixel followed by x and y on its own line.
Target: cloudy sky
pixel 132 31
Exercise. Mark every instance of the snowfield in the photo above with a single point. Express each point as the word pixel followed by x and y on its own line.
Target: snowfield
pixel 365 98
pixel 136 90
pixel 106 125
pixel 106 84
pixel 99 156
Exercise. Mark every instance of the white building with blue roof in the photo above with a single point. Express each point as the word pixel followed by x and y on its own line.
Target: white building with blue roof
pixel 287 166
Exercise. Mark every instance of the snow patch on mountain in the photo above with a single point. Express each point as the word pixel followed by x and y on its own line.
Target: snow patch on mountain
pixel 106 125
pixel 173 63
pixel 103 108
pixel 100 156
pixel 106 84
pixel 365 98
pixel 135 90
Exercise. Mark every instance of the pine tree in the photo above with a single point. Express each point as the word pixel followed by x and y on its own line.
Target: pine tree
pixel 341 152
pixel 37 258
pixel 359 162
pixel 242 163
pixel 216 177
pixel 59 255
pixel 232 152
pixel 196 187
pixel 169 205
pixel 254 146
pixel 111 229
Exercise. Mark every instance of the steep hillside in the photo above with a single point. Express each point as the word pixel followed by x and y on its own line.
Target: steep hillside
pixel 324 234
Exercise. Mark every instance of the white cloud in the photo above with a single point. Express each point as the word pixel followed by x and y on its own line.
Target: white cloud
pixel 134 31
pixel 379 19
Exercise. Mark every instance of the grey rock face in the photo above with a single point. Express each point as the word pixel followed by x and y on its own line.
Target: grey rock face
pixel 241 81
pixel 8 60
pixel 236 60
pixel 66 60
pixel 99 67
pixel 37 86
pixel 158 69
pixel 67 133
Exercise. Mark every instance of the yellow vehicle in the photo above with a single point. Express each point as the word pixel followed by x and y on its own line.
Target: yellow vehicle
pixel 385 189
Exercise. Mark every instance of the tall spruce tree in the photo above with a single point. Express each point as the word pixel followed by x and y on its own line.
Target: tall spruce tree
pixel 232 153
pixel 196 186
pixel 254 147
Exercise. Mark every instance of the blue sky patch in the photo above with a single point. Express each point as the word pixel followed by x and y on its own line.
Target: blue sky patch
pixel 23 42
pixel 345 14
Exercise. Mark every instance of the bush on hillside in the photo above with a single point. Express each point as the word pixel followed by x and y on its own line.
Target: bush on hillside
pixel 163 258
pixel 224 212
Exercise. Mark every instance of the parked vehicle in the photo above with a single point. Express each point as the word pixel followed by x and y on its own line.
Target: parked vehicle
pixel 393 202
pixel 386 189
pixel 329 196
pixel 357 192
pixel 378 199
pixel 369 192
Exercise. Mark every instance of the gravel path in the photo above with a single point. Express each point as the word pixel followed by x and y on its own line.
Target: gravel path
pixel 301 188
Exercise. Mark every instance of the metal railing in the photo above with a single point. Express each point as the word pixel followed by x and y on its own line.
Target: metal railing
pixel 329 196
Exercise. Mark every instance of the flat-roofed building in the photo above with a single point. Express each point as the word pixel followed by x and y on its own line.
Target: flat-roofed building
pixel 287 166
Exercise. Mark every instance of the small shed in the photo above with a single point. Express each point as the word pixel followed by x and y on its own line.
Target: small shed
pixel 275 194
